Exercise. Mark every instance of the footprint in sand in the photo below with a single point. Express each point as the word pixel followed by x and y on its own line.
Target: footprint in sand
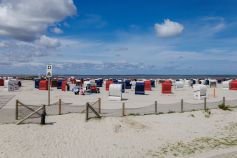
pixel 117 128
pixel 133 124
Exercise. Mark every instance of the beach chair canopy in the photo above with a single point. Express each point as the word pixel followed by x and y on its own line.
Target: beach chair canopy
pixel 43 85
pixel 54 82
pixel 59 84
pixel 187 83
pixel 37 81
pixel 200 91
pixel 107 84
pixel 147 85
pixel 115 91
pixel 213 83
pixel 153 83
pixel 179 84
pixel 99 82
pixel 233 85
pixel 1 82
pixel 226 84
pixel 128 84
pixel 140 88
pixel 166 87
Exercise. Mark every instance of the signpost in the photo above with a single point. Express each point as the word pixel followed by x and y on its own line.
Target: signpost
pixel 49 73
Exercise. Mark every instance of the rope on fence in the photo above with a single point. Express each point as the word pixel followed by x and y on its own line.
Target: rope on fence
pixel 23 110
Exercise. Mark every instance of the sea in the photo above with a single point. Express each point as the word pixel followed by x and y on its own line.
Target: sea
pixel 143 76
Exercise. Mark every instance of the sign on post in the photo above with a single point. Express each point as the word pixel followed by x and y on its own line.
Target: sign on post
pixel 49 71
pixel 49 74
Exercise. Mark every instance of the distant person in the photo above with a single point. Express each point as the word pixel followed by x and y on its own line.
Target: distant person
pixel 19 83
pixel 82 82
pixel 76 90
pixel 133 84
pixel 82 92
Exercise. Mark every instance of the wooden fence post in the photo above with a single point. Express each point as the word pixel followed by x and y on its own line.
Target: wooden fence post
pixel 182 105
pixel 156 108
pixel 214 92
pixel 99 100
pixel 59 106
pixel 205 103
pixel 43 115
pixel 123 109
pixel 87 111
pixel 16 116
pixel 44 109
pixel 223 102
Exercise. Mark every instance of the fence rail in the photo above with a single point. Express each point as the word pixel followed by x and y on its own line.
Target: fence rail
pixel 158 108
pixel 33 112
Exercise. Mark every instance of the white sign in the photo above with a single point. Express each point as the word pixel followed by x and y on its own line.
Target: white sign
pixel 49 71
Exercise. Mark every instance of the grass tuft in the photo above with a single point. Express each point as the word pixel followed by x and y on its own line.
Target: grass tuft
pixel 224 107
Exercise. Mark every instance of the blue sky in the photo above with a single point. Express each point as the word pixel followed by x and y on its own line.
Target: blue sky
pixel 118 37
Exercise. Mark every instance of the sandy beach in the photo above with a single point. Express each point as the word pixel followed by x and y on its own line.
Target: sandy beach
pixel 189 134
pixel 118 79
pixel 166 135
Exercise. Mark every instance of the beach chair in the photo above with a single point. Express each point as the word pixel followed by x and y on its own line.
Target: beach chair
pixel 140 88
pixel 200 91
pixel 233 85
pixel 166 87
pixel 1 82
pixel 226 84
pixel 59 84
pixel 128 84
pixel 115 92
pixel 37 81
pixel 213 83
pixel 147 84
pixel 43 85
pixel 107 84
pixel 179 84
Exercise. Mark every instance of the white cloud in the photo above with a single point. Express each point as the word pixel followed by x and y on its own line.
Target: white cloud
pixel 48 42
pixel 57 30
pixel 168 28
pixel 219 27
pixel 2 44
pixel 28 19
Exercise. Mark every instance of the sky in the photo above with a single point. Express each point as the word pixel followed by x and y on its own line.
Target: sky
pixel 91 37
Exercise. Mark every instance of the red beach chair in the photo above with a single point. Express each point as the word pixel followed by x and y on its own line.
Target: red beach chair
pixel 108 82
pixel 166 87
pixel 147 85
pixel 233 85
pixel 43 85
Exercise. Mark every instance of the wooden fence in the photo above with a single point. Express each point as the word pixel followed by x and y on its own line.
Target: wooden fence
pixel 31 110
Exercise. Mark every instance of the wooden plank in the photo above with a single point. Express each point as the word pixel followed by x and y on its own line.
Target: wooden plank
pixel 87 111
pixel 49 91
pixel 223 101
pixel 156 108
pixel 182 105
pixel 26 106
pixel 205 103
pixel 123 109
pixel 93 103
pixel 60 107
pixel 16 114
pixel 97 114
pixel 29 115
pixel 99 100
